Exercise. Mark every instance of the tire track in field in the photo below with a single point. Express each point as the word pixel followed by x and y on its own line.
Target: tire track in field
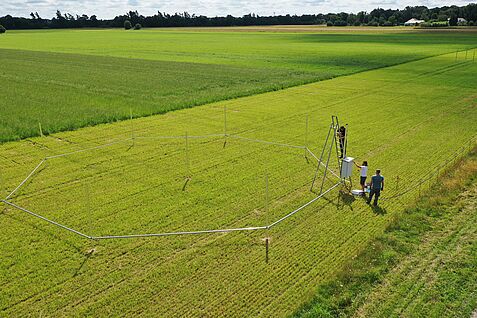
pixel 356 96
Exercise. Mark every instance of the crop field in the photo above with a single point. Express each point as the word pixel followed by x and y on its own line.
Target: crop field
pixel 405 119
pixel 67 79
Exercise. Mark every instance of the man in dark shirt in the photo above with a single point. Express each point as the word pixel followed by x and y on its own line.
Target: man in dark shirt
pixel 377 185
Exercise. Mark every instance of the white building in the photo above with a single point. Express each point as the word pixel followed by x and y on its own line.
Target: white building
pixel 413 22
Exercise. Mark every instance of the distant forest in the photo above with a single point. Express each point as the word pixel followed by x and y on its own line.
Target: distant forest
pixel 442 16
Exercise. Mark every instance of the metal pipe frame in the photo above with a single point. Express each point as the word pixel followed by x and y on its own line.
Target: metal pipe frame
pixel 178 233
pixel 327 164
pixel 424 179
pixel 26 179
pixel 336 123
pixel 322 164
pixel 47 220
pixel 147 235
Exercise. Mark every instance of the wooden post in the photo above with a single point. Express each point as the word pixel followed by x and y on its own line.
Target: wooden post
pixel 266 250
pixel 266 193
pixel 88 198
pixel 225 120
pixel 397 183
pixel 456 55
pixel 187 159
pixel 2 189
pixel 41 130
pixel 306 136
pixel 466 52
pixel 132 126
pixel 225 125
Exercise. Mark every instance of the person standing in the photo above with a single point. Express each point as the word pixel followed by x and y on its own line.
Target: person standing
pixel 377 185
pixel 363 171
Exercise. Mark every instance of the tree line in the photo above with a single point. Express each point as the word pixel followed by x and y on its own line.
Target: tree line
pixel 447 15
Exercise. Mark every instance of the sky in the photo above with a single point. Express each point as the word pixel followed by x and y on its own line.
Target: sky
pixel 111 8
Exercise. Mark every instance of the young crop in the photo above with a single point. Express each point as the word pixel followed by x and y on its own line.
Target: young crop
pixel 405 120
pixel 98 77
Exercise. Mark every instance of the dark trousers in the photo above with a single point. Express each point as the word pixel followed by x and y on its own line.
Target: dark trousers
pixel 342 144
pixel 374 193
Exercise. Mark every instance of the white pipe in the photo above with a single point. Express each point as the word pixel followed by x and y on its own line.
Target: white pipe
pixel 303 206
pixel 45 219
pixel 26 179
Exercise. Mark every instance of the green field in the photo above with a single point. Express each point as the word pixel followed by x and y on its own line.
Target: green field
pixel 67 79
pixel 405 119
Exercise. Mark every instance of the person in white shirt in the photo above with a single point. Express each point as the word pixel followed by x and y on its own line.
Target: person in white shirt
pixel 363 169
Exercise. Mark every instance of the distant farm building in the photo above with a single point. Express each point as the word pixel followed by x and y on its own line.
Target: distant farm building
pixel 460 21
pixel 413 22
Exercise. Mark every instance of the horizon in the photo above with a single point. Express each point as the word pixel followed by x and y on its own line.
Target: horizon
pixel 112 8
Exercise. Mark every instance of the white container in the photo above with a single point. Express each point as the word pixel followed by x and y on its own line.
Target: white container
pixel 347 167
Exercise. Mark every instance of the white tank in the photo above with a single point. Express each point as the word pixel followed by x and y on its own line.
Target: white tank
pixel 347 167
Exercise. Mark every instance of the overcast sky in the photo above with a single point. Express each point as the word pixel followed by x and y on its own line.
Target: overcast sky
pixel 111 8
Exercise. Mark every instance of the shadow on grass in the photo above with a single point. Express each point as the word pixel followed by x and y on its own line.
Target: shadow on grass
pixel 343 199
pixel 379 210
pixel 87 256
pixel 186 182
pixel 346 199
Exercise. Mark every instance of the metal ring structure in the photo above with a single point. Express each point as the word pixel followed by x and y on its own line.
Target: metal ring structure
pixel 177 233
pixel 461 151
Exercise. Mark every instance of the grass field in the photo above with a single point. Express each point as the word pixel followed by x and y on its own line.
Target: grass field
pixel 404 119
pixel 67 79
